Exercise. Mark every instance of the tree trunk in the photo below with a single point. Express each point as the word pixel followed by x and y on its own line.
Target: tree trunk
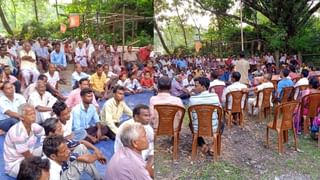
pixel 36 10
pixel 182 28
pixel 5 22
pixel 14 13
pixel 277 57
pixel 161 38
pixel 57 11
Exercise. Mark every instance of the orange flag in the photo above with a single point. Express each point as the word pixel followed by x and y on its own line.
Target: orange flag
pixel 63 28
pixel 74 21
pixel 198 46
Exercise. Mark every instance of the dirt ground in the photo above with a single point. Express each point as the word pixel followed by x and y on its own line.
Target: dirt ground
pixel 243 156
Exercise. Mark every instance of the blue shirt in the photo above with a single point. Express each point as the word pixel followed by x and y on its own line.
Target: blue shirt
pixel 284 82
pixel 83 119
pixel 42 52
pixel 205 98
pixel 58 58
pixel 181 63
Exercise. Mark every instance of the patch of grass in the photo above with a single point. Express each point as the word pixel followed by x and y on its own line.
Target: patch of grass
pixel 217 170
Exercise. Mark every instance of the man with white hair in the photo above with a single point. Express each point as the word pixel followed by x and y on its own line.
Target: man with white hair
pixel 28 64
pixel 22 140
pixel 141 114
pixel 127 162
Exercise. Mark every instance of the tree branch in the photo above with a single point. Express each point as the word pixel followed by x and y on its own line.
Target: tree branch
pixel 308 15
pixel 234 17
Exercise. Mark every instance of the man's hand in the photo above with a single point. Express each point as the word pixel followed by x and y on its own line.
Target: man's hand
pixel 100 157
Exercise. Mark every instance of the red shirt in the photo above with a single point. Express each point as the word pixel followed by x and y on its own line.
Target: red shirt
pixel 147 82
pixel 144 54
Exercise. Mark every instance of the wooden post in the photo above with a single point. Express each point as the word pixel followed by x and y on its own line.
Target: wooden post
pixel 123 32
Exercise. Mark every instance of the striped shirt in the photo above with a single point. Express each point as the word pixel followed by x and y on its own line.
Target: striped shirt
pixel 205 98
pixel 17 141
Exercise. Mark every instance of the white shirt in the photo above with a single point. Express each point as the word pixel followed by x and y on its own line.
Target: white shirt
pixel 6 104
pixel 270 59
pixel 55 170
pixel 27 64
pixel 123 83
pixel 67 128
pixel 47 100
pixel 236 86
pixel 52 80
pixel 150 136
pixel 134 84
pixel 217 82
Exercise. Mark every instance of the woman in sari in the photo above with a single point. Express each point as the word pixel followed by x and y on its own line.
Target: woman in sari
pixel 313 88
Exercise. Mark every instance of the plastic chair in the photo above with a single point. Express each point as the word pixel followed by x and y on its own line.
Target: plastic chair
pixel 204 115
pixel 167 115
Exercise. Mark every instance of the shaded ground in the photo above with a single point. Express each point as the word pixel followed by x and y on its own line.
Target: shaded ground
pixel 244 156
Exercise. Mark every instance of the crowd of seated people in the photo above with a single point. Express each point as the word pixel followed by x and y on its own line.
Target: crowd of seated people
pixel 48 133
pixel 44 122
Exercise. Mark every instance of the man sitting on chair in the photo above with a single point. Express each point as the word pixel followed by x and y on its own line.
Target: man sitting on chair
pixel 204 97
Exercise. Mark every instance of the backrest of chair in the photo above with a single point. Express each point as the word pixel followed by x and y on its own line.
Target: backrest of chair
pixel 167 115
pixel 267 93
pixel 236 100
pixel 287 94
pixel 218 89
pixel 313 103
pixel 287 110
pixel 204 115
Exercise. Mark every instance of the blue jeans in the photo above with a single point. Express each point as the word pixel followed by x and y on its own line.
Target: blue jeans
pixel 6 124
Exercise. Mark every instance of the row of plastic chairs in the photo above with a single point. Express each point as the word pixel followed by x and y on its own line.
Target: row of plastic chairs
pixel 282 122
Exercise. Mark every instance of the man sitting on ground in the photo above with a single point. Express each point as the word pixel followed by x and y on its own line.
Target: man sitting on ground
pixel 74 97
pixel 65 164
pixel 58 57
pixel 34 168
pixel 6 76
pixel 43 101
pixel 98 82
pixel 85 117
pixel 28 64
pixel 127 162
pixel 9 104
pixel 21 140
pixel 204 97
pixel 63 114
pixel 77 75
pixel 177 88
pixel 114 108
pixel 141 114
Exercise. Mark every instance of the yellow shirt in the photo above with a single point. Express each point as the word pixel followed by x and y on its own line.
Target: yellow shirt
pixel 111 113
pixel 27 64
pixel 98 82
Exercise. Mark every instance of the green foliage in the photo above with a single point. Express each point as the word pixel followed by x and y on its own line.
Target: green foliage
pixel 20 15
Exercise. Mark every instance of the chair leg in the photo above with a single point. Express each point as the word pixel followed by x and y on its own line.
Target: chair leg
pixel 285 136
pixel 175 145
pixel 295 139
pixel 267 141
pixel 241 118
pixel 194 146
pixel 280 144
pixel 219 144
pixel 215 147
pixel 306 125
